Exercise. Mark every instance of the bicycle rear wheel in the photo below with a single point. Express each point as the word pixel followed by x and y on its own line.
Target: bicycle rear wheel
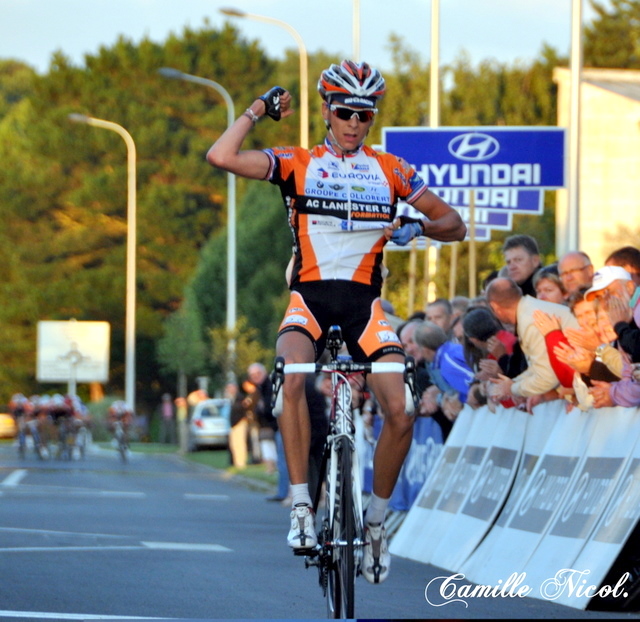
pixel 341 570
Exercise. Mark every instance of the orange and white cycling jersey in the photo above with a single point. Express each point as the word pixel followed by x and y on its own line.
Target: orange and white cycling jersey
pixel 338 206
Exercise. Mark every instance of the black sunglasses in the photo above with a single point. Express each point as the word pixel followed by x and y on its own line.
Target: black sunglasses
pixel 345 114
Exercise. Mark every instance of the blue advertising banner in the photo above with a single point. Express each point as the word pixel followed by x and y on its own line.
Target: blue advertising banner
pixel 506 199
pixel 482 156
pixel 425 449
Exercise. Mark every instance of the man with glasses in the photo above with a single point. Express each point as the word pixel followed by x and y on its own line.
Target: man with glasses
pixel 341 200
pixel 575 271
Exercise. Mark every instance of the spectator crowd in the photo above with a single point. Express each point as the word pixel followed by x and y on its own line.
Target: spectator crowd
pixel 568 331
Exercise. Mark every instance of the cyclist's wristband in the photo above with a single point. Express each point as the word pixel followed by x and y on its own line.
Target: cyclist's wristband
pixel 252 116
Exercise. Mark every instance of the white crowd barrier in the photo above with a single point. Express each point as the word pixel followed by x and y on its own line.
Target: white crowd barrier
pixel 549 498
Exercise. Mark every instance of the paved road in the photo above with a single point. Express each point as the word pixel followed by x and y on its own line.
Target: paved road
pixel 160 537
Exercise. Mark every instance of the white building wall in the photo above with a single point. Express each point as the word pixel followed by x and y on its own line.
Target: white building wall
pixel 609 193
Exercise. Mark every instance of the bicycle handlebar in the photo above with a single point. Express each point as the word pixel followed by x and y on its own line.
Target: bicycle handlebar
pixel 408 368
pixel 344 367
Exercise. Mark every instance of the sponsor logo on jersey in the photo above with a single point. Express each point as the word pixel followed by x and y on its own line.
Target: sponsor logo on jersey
pixel 295 319
pixel 386 336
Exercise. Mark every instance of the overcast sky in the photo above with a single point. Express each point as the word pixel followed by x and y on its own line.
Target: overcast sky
pixel 504 30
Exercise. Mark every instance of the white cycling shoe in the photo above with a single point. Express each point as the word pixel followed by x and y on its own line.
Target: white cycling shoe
pixel 302 534
pixel 376 558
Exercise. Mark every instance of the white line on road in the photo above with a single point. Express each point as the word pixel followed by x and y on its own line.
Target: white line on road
pixel 62 533
pixel 158 546
pixel 183 546
pixel 70 616
pixel 76 492
pixel 14 478
pixel 60 549
pixel 196 497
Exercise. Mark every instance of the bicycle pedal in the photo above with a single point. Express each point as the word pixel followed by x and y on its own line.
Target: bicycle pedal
pixel 311 552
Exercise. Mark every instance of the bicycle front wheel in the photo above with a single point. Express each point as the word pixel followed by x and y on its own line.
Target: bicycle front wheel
pixel 341 571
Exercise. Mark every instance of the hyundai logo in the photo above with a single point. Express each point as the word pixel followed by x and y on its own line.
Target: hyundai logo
pixel 474 146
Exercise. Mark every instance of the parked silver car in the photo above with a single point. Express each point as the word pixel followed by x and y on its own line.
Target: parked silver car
pixel 209 424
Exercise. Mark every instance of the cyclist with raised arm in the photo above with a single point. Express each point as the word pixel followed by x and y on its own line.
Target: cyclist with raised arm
pixel 341 201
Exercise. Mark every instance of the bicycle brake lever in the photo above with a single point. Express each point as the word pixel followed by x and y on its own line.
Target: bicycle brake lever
pixel 277 378
pixel 410 377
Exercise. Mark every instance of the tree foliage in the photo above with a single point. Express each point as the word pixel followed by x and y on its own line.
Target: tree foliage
pixel 613 38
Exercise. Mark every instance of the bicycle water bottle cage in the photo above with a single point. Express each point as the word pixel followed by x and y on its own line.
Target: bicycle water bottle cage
pixel 334 341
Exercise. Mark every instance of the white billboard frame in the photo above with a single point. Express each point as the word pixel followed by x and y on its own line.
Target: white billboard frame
pixel 73 351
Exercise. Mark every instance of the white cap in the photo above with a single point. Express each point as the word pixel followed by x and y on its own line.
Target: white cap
pixel 604 277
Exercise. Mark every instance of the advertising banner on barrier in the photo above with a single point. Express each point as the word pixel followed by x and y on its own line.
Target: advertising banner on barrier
pixel 543 495
pixel 426 446
pixel 573 505
pixel 423 454
pixel 616 521
pixel 486 490
pixel 404 542
pixel 447 492
pixel 615 434
pixel 492 552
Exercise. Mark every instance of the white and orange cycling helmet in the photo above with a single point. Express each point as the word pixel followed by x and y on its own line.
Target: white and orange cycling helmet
pixel 356 85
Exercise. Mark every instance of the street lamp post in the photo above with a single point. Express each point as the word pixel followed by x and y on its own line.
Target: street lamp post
pixel 176 74
pixel 130 313
pixel 356 31
pixel 304 67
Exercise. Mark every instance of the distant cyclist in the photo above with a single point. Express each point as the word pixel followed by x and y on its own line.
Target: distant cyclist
pixel 119 421
pixel 341 201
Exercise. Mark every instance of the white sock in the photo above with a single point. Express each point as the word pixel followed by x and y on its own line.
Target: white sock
pixel 376 510
pixel 300 495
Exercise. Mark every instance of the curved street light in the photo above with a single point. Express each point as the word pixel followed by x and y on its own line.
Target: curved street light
pixel 130 313
pixel 304 67
pixel 176 74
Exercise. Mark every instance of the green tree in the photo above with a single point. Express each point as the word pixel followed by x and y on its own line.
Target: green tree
pixel 181 350
pixel 247 349
pixel 613 38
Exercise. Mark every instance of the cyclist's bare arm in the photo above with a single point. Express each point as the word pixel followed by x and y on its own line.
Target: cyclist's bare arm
pixel 444 222
pixel 226 152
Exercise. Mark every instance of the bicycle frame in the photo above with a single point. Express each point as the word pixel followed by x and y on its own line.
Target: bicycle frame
pixel 339 551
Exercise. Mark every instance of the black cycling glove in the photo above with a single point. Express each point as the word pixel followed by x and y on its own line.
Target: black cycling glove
pixel 271 101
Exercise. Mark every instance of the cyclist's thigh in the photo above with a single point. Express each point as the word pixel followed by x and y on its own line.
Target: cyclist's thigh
pixel 296 346
pixel 369 336
pixel 389 389
pixel 300 333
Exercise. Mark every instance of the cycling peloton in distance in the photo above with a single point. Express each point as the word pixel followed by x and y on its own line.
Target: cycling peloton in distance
pixel 336 271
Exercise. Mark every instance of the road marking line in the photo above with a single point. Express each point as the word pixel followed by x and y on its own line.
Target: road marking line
pixel 180 546
pixel 158 546
pixel 62 533
pixel 71 616
pixel 14 478
pixel 59 549
pixel 197 497
pixel 71 492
